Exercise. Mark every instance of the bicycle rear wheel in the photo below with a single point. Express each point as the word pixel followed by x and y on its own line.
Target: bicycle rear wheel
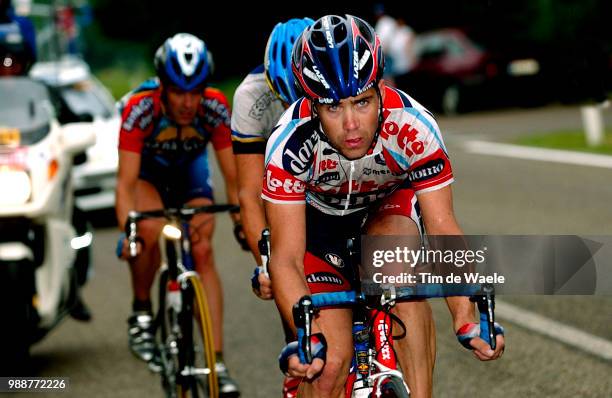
pixel 197 376
pixel 391 387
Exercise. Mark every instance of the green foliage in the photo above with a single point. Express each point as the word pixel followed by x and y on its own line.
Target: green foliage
pixel 568 140
pixel 120 80
pixel 228 87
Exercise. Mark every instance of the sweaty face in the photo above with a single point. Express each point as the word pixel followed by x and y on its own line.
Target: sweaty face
pixel 183 105
pixel 350 125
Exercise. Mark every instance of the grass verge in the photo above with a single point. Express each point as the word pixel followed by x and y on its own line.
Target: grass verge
pixel 573 140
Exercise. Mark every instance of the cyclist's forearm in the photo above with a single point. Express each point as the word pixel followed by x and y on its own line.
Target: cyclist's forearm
pixel 127 179
pixel 125 202
pixel 227 165
pixel 461 309
pixel 288 286
pixel 253 220
pixel 231 188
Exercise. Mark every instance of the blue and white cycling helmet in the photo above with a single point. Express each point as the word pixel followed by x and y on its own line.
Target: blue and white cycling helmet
pixel 277 60
pixel 336 58
pixel 183 61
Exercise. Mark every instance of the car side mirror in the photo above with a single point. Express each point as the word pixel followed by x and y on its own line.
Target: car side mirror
pixel 77 137
pixel 85 117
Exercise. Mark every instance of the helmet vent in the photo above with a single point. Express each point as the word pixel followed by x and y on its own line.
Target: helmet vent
pixel 340 34
pixel 318 39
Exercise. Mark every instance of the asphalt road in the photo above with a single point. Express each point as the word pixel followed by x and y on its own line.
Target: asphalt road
pixel 492 195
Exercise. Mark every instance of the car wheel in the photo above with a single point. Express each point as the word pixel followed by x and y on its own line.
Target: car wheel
pixel 451 99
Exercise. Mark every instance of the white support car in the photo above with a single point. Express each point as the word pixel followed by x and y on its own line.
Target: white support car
pixel 80 97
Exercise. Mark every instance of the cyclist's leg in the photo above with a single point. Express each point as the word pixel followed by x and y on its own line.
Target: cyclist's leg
pixel 336 326
pixel 142 269
pixel 417 352
pixel 199 192
pixel 398 215
pixel 202 228
pixel 328 269
pixel 144 266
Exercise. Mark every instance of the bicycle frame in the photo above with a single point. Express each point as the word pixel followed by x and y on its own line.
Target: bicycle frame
pixel 374 357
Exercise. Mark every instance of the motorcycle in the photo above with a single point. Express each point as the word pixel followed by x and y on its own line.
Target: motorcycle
pixel 41 256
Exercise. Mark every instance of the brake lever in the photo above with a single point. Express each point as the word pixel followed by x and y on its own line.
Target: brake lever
pixel 486 307
pixel 132 233
pixel 264 250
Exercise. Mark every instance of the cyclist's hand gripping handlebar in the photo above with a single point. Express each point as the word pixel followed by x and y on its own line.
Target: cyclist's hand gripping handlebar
pixel 308 346
pixel 488 329
pixel 256 282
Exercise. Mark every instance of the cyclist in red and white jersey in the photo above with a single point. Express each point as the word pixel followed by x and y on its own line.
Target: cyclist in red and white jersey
pixel 354 155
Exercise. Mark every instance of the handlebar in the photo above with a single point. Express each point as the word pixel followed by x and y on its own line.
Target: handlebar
pixel 183 214
pixel 482 295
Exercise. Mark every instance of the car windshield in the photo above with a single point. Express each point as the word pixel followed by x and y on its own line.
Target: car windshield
pixel 84 98
pixel 25 111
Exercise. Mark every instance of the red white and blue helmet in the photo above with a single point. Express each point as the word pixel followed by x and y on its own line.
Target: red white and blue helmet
pixel 336 58
pixel 277 59
pixel 183 61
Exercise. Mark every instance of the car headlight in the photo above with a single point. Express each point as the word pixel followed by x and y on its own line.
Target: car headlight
pixel 17 186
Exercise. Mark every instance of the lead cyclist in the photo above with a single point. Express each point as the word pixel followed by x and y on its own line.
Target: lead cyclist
pixel 339 164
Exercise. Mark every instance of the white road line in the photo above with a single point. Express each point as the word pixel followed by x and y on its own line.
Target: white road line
pixel 569 335
pixel 541 154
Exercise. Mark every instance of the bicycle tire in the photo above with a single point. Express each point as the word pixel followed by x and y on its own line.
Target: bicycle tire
pixel 392 387
pixel 197 343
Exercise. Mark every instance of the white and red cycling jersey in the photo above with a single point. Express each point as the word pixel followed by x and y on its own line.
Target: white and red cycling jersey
pixel 302 167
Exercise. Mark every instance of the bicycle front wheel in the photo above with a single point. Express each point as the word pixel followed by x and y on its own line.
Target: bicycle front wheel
pixel 197 376
pixel 392 387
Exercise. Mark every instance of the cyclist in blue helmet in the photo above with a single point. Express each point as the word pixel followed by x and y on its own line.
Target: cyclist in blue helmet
pixel 182 61
pixel 277 59
pixel 259 101
pixel 355 157
pixel 163 161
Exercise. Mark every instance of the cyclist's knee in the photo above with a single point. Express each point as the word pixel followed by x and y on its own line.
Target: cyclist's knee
pixel 384 224
pixel 148 231
pixel 331 381
pixel 202 252
pixel 412 308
